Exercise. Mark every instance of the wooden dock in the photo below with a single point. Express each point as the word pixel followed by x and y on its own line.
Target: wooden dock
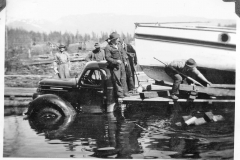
pixel 137 98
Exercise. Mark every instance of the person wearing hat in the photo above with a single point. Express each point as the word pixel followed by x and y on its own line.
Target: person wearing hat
pixel 187 67
pixel 62 63
pixel 116 58
pixel 97 54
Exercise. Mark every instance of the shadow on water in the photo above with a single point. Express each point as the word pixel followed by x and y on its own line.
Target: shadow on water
pixel 141 132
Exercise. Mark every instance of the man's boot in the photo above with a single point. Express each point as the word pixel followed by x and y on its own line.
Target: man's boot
pixel 174 97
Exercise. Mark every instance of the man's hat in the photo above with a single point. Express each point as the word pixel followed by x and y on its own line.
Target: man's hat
pixel 113 35
pixel 191 63
pixel 61 46
pixel 96 45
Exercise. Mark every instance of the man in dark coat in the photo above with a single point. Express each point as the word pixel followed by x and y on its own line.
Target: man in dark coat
pixel 115 57
pixel 188 68
pixel 131 60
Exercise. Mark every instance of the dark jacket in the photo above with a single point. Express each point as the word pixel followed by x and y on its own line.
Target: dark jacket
pixel 131 53
pixel 113 54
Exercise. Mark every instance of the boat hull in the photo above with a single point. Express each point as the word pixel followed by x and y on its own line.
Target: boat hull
pixel 215 59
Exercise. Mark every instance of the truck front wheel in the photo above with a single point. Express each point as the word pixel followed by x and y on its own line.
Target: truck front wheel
pixel 48 112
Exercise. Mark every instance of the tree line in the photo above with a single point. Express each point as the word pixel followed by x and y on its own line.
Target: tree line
pixel 26 39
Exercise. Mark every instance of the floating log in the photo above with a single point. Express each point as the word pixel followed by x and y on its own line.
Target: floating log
pixel 17 102
pixel 208 116
pixel 200 121
pixel 217 118
pixel 191 121
pixel 185 118
pixel 18 92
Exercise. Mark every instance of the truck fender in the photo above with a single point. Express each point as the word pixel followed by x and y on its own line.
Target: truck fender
pixel 51 100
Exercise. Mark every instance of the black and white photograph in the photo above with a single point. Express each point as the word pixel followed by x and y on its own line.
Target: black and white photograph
pixel 120 79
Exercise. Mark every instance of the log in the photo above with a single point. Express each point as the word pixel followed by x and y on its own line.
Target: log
pixel 17 102
pixel 208 116
pixel 18 92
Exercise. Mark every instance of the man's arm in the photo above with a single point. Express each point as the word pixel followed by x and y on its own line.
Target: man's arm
pixel 201 76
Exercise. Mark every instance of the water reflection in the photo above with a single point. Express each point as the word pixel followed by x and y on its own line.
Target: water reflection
pixel 104 135
pixel 136 135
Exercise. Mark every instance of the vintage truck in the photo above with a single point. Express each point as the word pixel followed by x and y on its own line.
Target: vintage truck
pixel 90 91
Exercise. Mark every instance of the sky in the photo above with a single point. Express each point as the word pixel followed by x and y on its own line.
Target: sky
pixel 55 9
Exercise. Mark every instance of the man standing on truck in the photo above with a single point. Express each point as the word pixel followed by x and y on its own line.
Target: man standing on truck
pixel 97 54
pixel 117 61
pixel 61 63
pixel 130 69
pixel 188 68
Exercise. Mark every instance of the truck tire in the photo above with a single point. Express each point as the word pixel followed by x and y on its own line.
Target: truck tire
pixel 50 104
pixel 48 112
pixel 49 117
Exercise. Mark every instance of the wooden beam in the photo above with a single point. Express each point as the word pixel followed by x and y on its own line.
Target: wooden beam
pixel 169 100
pixel 208 90
pixel 232 86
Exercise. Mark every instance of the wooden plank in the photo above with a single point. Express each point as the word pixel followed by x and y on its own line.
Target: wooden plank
pixel 163 83
pixel 152 87
pixel 208 90
pixel 144 95
pixel 222 86
pixel 19 92
pixel 163 99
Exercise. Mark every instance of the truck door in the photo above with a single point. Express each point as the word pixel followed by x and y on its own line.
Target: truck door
pixel 92 90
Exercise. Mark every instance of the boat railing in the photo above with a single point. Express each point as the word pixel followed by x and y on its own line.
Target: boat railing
pixel 196 24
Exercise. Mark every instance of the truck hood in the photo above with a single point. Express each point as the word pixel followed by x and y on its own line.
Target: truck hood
pixel 69 83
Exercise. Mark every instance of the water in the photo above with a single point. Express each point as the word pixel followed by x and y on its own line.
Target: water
pixel 138 133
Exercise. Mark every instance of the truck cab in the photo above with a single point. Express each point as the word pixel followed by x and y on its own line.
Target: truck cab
pixel 91 91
